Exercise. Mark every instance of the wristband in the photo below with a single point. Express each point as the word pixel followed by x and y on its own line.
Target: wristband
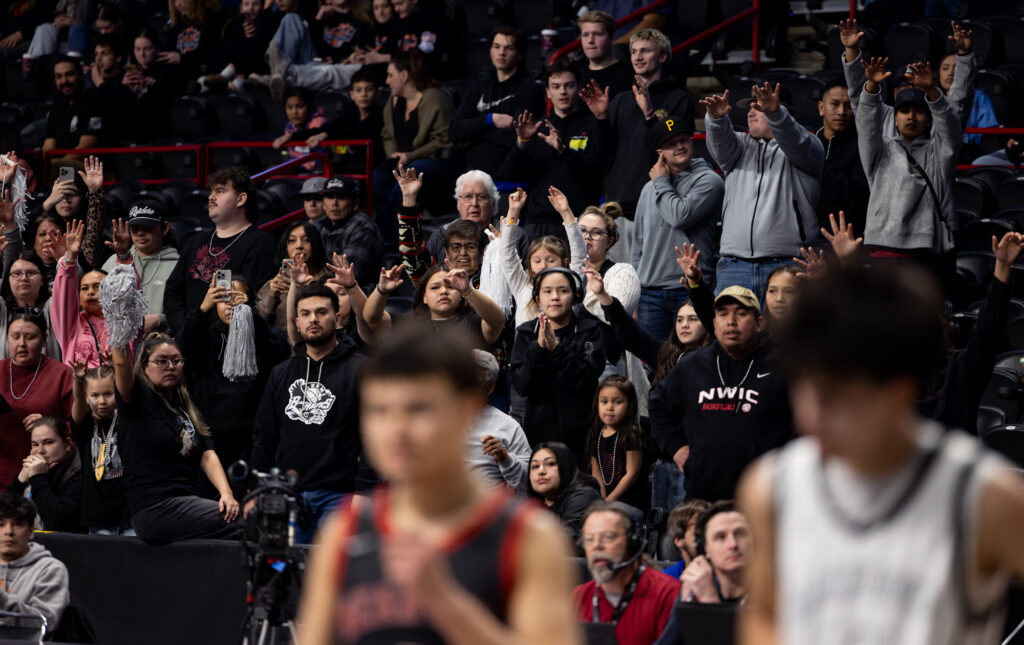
pixel 383 292
pixel 351 286
pixel 125 259
pixel 490 119
pixel 649 114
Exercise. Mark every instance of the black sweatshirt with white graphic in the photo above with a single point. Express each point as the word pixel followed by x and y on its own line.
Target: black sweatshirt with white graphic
pixel 308 419
pixel 728 411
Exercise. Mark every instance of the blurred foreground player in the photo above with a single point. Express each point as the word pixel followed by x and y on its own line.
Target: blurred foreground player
pixel 877 526
pixel 437 555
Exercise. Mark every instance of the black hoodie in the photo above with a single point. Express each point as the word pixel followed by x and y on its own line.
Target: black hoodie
pixel 559 385
pixel 844 187
pixel 727 416
pixel 308 419
pixel 488 145
pixel 57 495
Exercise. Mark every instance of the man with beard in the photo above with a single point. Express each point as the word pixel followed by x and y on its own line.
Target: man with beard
pixel 308 419
pixel 347 230
pixel 76 119
pixel 637 600
pixel 235 245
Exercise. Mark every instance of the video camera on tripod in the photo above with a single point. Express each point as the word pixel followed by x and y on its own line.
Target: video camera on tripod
pixel 279 510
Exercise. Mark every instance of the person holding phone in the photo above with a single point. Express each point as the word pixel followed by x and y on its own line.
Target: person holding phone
pixel 301 244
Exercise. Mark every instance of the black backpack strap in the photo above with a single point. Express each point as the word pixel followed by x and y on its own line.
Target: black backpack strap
pixel 935 196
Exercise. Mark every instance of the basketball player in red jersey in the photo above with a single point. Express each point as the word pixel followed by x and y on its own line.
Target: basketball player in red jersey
pixel 436 556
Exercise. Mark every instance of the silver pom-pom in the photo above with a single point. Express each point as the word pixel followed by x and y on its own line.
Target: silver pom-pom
pixel 123 306
pixel 240 353
pixel 19 193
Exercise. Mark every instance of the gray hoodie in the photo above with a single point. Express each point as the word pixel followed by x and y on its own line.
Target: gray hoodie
pixel 674 210
pixel 901 210
pixel 154 272
pixel 771 187
pixel 36 583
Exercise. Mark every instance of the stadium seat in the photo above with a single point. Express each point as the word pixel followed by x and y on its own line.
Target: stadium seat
pixel 17 88
pixel 225 157
pixel 989 418
pixel 978 264
pixel 266 206
pixel 1007 440
pixel 806 92
pixel 1010 193
pixel 969 193
pixel 992 176
pixel 135 165
pixel 191 117
pixel 178 164
pixel 1015 333
pixel 332 103
pixel 960 324
pixel 267 157
pixel 284 187
pixel 122 192
pixel 1011 30
pixel 779 75
pixel 194 206
pixel 531 16
pixel 14 116
pixel 484 15
pixel 478 58
pixel 1014 216
pixel 1003 392
pixel 455 88
pixel 1000 88
pixel 239 116
pixel 273 111
pixel 986 42
pixel 174 191
pixel 185 227
pixel 906 43
pixel 977 235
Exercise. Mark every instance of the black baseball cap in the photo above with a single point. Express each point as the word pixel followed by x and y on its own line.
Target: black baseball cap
pixel 147 211
pixel 910 95
pixel 670 126
pixel 342 185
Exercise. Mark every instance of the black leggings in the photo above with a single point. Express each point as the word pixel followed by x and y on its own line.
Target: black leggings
pixel 183 518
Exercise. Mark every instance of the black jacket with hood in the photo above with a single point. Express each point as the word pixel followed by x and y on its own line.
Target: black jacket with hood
pixel 844 187
pixel 57 495
pixel 308 419
pixel 559 385
pixel 728 411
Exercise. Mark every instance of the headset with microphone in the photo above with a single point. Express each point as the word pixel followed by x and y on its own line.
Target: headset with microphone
pixel 636 534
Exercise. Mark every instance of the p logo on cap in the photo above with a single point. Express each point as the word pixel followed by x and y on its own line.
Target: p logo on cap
pixel 669 123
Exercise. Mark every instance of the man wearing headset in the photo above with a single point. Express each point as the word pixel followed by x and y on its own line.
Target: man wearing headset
pixel 723 551
pixel 634 598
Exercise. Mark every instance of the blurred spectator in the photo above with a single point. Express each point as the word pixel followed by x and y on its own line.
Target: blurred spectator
pixel 972 104
pixel 780 295
pixel 300 244
pixel 94 429
pixel 46 232
pixel 228 404
pixel 556 361
pixel 386 41
pixel 33 386
pixel 69 16
pixel 560 485
pixel 243 44
pixel 302 115
pixel 35 582
pixel 361 118
pixel 564 149
pixel 120 103
pixel 235 245
pixel 678 206
pixel 196 27
pixel 695 410
pixel 777 168
pixel 25 288
pixel 597 31
pixel 912 175
pixel 488 109
pixel 619 473
pixel 347 230
pixel 165 445
pixel 636 599
pixel 630 117
pixel 619 9
pixel 421 26
pixel 309 423
pixel 67 199
pixel 312 197
pixel 51 476
pixel 76 119
pixel 20 20
pixel 681 527
pixel 332 35
pixel 496 446
pixel 155 82
pixel 844 187
pixel 154 259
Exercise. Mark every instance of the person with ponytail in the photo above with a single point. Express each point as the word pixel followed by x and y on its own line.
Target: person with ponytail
pixel 165 443
pixel 94 430
pixel 228 397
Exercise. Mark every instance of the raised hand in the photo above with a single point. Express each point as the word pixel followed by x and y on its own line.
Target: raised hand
pixel 560 203
pixel 73 240
pixel 300 273
pixel 343 270
pixel 390 279
pixel 595 282
pixel 8 167
pixel 596 99
pixel 876 72
pixel 457 279
pixel 659 169
pixel 717 105
pixel 7 211
pixel 213 296
pixel 525 126
pixel 813 265
pixel 642 95
pixel 409 182
pixel 1007 249
pixel 93 175
pixel 516 201
pixel 920 76
pixel 767 99
pixel 961 38
pixel 552 138
pixel 281 140
pixel 121 239
pixel 848 33
pixel 78 369
pixel 841 237
pixel 688 260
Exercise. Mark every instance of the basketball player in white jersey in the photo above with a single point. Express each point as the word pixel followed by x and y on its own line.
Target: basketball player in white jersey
pixel 437 555
pixel 877 526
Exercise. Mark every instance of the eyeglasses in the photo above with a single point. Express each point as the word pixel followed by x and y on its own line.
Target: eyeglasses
pixel 24 275
pixel 167 363
pixel 31 311
pixel 599 538
pixel 459 247
pixel 593 233
pixel 480 199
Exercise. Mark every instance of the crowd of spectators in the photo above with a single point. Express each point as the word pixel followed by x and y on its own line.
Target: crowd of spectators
pixel 624 296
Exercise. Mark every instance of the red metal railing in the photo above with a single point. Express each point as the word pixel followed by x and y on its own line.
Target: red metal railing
pixel 621 22
pixel 201 158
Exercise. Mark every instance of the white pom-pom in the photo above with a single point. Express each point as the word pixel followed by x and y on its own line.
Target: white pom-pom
pixel 240 353
pixel 123 306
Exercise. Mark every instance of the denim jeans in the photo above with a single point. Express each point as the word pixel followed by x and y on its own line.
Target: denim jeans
pixel 293 41
pixel 752 274
pixel 321 504
pixel 667 485
pixel 657 310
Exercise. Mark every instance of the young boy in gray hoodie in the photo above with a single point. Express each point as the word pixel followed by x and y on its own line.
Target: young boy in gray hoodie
pixel 32 581
pixel 772 183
